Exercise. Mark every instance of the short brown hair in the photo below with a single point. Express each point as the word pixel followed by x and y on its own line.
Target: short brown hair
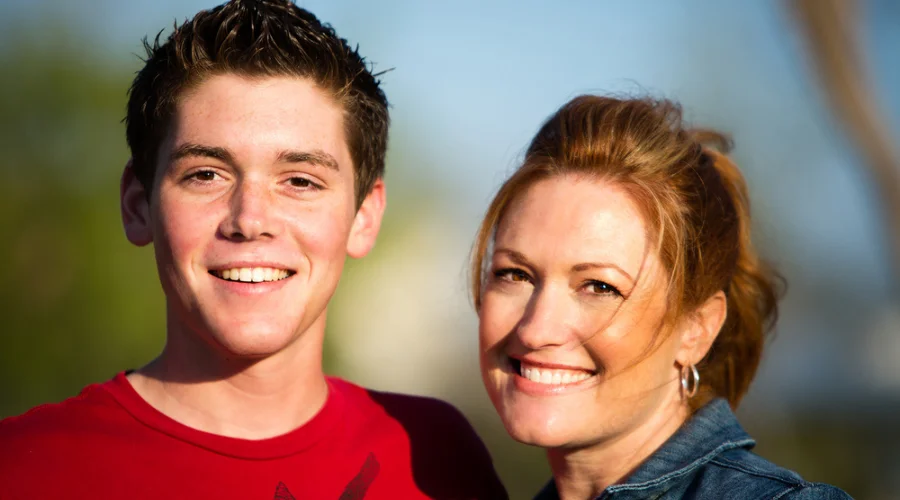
pixel 695 201
pixel 257 38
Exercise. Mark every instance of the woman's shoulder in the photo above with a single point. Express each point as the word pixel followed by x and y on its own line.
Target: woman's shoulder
pixel 816 491
pixel 742 470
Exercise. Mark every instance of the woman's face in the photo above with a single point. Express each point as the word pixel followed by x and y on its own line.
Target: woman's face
pixel 572 348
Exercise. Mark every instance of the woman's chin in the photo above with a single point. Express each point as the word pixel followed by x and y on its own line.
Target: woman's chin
pixel 542 440
pixel 544 434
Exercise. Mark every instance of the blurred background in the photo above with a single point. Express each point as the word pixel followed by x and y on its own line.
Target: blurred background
pixel 814 109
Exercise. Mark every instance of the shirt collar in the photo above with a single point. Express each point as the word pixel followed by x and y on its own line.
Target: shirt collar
pixel 710 431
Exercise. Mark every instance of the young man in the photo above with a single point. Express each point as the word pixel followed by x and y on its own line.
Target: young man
pixel 258 140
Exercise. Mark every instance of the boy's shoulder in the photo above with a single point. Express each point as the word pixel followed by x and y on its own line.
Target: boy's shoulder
pixel 422 417
pixel 77 414
pixel 55 438
pixel 447 453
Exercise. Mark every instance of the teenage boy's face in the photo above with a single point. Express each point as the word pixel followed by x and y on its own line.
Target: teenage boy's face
pixel 253 212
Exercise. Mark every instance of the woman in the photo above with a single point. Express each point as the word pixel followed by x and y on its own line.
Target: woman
pixel 623 308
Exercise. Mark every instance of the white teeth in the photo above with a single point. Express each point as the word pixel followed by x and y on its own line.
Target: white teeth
pixel 252 274
pixel 553 377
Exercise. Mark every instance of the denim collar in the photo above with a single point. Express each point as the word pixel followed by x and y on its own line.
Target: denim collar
pixel 712 430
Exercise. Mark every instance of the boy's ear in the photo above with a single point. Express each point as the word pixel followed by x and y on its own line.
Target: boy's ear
pixel 367 221
pixel 135 208
pixel 700 329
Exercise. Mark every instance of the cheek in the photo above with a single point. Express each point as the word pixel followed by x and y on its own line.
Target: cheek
pixel 321 232
pixel 632 333
pixel 181 230
pixel 497 318
pixel 635 366
pixel 616 347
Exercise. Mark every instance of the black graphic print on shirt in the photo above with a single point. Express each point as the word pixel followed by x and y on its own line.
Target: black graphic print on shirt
pixel 355 489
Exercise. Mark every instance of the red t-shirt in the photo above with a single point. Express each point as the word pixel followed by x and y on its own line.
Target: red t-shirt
pixel 108 443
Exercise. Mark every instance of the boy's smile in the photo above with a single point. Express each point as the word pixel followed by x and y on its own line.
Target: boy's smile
pixel 252 274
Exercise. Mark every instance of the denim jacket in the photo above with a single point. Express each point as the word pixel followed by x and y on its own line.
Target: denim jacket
pixel 710 458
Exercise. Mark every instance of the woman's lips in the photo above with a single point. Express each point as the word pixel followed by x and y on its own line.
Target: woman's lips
pixel 534 377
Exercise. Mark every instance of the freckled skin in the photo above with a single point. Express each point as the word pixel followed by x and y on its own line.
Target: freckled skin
pixel 252 209
pixel 559 313
pixel 254 172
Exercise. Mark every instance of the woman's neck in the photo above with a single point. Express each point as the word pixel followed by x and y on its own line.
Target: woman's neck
pixel 585 472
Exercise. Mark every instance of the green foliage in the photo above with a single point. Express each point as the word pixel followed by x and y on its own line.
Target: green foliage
pixel 79 302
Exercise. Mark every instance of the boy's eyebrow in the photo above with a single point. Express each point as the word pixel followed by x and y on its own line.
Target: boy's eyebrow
pixel 190 149
pixel 314 157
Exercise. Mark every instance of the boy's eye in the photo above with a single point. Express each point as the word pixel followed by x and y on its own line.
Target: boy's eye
pixel 303 183
pixel 203 175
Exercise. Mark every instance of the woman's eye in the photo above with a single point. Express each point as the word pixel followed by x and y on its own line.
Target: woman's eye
pixel 601 288
pixel 514 275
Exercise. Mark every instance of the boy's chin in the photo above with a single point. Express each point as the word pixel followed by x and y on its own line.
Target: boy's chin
pixel 255 344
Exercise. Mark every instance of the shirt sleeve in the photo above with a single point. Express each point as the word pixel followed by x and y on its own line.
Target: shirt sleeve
pixel 815 491
pixel 449 459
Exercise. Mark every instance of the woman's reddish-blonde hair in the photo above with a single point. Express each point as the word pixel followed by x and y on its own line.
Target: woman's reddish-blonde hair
pixel 695 201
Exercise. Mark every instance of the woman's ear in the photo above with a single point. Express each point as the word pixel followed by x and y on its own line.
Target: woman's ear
pixel 701 328
pixel 135 206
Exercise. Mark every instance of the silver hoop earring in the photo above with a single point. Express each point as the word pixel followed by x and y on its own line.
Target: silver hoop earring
pixel 690 380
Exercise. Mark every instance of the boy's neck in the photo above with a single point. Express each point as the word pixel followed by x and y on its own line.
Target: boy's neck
pixel 241 398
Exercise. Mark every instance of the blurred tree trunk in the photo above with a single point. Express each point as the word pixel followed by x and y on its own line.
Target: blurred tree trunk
pixel 831 29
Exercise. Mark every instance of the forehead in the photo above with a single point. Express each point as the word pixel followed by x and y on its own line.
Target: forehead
pixel 257 115
pixel 570 219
